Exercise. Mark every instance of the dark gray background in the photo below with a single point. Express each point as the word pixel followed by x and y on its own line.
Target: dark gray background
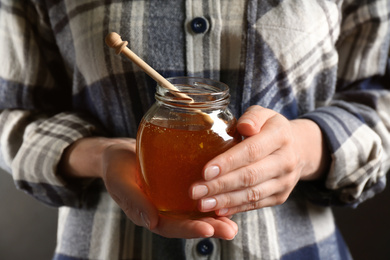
pixel 28 228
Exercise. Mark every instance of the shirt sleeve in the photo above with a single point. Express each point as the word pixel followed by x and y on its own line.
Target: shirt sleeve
pixel 31 148
pixel 356 123
pixel 36 124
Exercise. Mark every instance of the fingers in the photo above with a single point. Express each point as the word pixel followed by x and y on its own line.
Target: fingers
pixel 270 193
pixel 253 120
pixel 221 227
pixel 134 203
pixel 244 177
pixel 120 180
pixel 224 228
pixel 277 199
pixel 272 136
pixel 260 171
pixel 183 228
pixel 139 213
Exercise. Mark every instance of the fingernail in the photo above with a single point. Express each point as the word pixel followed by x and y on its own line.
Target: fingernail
pixel 199 191
pixel 231 238
pixel 247 121
pixel 211 172
pixel 145 219
pixel 222 212
pixel 208 204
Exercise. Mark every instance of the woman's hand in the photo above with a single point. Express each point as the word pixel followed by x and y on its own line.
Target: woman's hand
pixel 264 168
pixel 114 160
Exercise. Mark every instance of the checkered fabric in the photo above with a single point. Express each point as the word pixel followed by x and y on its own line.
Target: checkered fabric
pixel 324 60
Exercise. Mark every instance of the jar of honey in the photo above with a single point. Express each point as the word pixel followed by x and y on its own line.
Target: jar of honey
pixel 178 136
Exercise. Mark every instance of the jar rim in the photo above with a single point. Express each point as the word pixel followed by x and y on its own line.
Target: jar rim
pixel 202 92
pixel 217 86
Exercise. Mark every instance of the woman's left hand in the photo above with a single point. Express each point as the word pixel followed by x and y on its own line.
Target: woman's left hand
pixel 264 168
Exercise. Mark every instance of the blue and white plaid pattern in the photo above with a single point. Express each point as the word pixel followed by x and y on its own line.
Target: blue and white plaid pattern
pixel 320 60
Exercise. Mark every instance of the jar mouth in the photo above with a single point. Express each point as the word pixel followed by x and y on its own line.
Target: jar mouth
pixel 201 92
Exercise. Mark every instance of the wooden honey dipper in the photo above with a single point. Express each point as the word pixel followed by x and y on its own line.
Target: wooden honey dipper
pixel 114 40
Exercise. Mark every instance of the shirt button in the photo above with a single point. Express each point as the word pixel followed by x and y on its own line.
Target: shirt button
pixel 205 247
pixel 199 25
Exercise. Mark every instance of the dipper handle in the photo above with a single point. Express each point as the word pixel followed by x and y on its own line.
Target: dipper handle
pixel 114 40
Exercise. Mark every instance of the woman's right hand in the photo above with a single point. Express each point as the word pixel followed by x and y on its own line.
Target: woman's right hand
pixel 114 160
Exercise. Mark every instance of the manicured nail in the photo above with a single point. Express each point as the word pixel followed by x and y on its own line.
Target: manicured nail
pixel 211 172
pixel 145 219
pixel 222 212
pixel 208 204
pixel 199 191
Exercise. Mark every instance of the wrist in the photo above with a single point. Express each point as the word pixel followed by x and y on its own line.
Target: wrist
pixel 312 149
pixel 83 158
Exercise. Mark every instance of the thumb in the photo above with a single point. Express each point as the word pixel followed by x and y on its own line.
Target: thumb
pixel 134 203
pixel 254 118
pixel 246 127
pixel 248 123
pixel 120 178
pixel 139 209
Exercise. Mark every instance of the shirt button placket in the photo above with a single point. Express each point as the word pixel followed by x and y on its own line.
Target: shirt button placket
pixel 198 36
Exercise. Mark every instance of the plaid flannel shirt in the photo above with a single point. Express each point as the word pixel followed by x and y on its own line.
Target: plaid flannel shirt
pixel 321 60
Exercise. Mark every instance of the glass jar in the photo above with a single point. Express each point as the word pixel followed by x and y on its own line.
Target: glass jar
pixel 178 136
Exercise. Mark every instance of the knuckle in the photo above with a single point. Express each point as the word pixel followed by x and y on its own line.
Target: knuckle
pixel 250 177
pixel 218 186
pixel 252 150
pixel 229 160
pixel 127 206
pixel 247 207
pixel 290 165
pixel 131 212
pixel 253 194
pixel 127 209
pixel 251 206
pixel 285 185
pixel 281 198
pixel 224 201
